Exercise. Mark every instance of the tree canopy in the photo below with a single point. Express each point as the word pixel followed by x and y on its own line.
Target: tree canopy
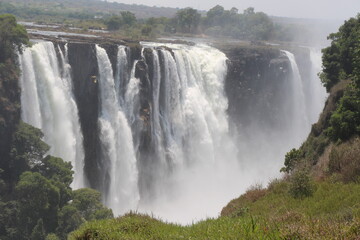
pixel 12 36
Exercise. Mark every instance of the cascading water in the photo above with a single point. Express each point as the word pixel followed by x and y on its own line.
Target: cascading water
pixel 169 152
pixel 47 103
pixel 116 143
pixel 300 124
pixel 190 132
pixel 317 93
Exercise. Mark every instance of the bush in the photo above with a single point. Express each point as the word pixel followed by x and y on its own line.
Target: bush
pixel 300 185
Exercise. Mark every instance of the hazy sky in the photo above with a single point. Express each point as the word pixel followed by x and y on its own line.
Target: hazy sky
pixel 325 9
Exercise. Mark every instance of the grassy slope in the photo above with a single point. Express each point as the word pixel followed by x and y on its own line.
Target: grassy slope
pixel 333 212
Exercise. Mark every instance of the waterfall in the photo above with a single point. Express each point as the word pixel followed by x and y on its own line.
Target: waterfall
pixel 190 133
pixel 48 103
pixel 317 93
pixel 165 145
pixel 300 124
pixel 116 142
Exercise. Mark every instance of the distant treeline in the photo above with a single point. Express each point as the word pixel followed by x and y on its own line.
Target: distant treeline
pixel 217 22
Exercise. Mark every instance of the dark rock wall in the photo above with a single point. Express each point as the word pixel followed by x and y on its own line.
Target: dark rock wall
pixel 83 61
pixel 256 84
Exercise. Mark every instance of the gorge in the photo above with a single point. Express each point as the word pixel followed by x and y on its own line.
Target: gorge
pixel 150 124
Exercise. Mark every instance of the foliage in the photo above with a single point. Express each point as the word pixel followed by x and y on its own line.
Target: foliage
pixel 28 149
pixel 88 202
pixel 37 198
pixel 345 121
pixel 114 23
pixel 291 159
pixel 188 20
pixel 60 175
pixel 344 161
pixel 332 212
pixel 38 232
pixel 12 36
pixel 341 58
pixel 42 201
pixel 300 185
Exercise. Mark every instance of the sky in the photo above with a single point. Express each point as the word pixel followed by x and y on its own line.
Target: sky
pixel 320 9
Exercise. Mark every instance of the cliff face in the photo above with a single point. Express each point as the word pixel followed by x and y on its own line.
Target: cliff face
pixel 82 58
pixel 255 85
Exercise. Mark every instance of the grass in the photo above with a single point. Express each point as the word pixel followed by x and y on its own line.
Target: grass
pixel 332 212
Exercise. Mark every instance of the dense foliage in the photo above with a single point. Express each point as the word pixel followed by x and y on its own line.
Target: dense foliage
pixel 342 61
pixel 12 36
pixel 36 197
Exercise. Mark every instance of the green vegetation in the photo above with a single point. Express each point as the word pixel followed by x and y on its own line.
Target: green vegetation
pixel 340 121
pixel 141 22
pixel 332 212
pixel 36 192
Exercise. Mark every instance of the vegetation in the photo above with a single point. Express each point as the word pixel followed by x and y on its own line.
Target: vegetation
pixel 332 212
pixel 37 196
pixel 139 22
pixel 340 121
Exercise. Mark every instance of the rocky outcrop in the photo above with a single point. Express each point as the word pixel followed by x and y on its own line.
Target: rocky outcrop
pixel 255 84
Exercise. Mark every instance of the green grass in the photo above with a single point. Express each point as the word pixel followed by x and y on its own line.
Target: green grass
pixel 332 212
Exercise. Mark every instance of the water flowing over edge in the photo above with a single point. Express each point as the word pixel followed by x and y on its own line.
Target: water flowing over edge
pixel 194 167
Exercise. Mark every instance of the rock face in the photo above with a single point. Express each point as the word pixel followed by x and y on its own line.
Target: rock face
pixel 255 84
pixel 82 58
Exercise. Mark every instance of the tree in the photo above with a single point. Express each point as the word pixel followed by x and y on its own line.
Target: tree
pixel 249 11
pixel 291 159
pixel 38 233
pixel 27 150
pixel 88 202
pixel 128 18
pixel 60 174
pixel 341 58
pixel 37 198
pixel 214 16
pixel 12 36
pixel 70 218
pixel 188 20
pixel 114 23
pixel 300 185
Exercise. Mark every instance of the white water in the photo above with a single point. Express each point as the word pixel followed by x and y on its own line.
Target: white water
pixel 317 94
pixel 47 103
pixel 116 142
pixel 300 125
pixel 195 167
pixel 198 172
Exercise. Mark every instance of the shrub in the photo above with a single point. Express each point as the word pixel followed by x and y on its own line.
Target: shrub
pixel 300 185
